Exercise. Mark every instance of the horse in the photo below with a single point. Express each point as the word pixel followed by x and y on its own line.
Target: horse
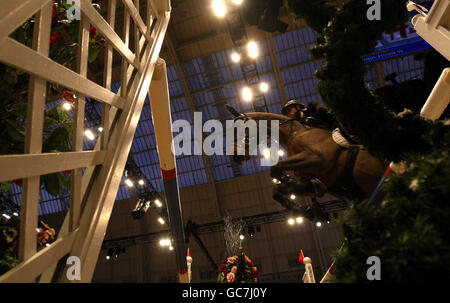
pixel 318 163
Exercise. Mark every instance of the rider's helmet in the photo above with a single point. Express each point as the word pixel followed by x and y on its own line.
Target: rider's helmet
pixel 293 102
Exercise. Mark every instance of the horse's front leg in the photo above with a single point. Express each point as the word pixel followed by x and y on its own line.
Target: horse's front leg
pixel 301 161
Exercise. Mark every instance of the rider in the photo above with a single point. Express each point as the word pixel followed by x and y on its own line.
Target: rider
pixel 314 114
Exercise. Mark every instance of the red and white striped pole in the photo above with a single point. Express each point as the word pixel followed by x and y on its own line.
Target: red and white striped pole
pixel 162 121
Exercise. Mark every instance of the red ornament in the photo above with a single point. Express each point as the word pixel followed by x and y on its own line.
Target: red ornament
pixel 300 259
pixel 68 96
pixel 53 38
pixel 55 11
pixel 18 182
pixel 93 32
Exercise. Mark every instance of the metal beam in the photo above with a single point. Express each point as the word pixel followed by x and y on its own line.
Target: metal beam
pixel 192 109
pixel 276 68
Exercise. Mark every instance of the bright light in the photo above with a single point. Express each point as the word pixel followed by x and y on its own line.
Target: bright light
pixel 241 237
pixel 37 229
pixel 266 153
pixel 100 129
pixel 291 221
pixel 292 197
pixel 6 216
pixel 16 214
pixel 237 2
pixel 219 8
pixel 67 106
pixel 318 224
pixel 47 244
pixel 89 134
pixel 235 57
pixel 141 182
pixel 299 220
pixel 129 183
pixel 275 181
pixel 108 257
pixel 264 87
pixel 164 242
pixel 247 94
pixel 252 49
pixel 170 247
pixel 158 203
pixel 281 153
pixel 161 220
pixel 328 222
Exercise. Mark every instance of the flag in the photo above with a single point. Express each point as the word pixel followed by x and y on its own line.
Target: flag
pixel 300 259
pixel 188 253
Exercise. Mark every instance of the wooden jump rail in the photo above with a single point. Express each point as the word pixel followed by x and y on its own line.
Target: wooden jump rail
pixel 92 195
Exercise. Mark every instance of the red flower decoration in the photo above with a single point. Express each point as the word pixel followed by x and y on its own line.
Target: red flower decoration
pixel 93 31
pixel 53 39
pixel 55 11
pixel 18 182
pixel 254 272
pixel 68 96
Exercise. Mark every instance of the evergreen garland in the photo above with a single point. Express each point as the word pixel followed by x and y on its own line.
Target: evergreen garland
pixel 346 36
pixel 410 232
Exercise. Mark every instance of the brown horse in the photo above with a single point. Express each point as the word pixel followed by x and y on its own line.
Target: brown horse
pixel 318 162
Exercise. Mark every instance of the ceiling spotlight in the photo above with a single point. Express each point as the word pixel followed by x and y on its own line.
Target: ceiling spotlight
pixel 281 153
pixel 241 237
pixel 37 229
pixel 247 94
pixel 237 2
pixel 164 242
pixel 141 182
pixel 264 87
pixel 292 197
pixel 129 183
pixel 235 57
pixel 89 134
pixel 299 220
pixel 318 224
pixel 161 220
pixel 100 129
pixel 47 244
pixel 275 181
pixel 170 247
pixel 291 221
pixel 108 257
pixel 219 8
pixel 67 106
pixel 252 49
pixel 16 214
pixel 6 216
pixel 158 203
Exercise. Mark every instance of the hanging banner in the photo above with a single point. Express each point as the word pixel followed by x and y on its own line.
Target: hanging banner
pixel 401 42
